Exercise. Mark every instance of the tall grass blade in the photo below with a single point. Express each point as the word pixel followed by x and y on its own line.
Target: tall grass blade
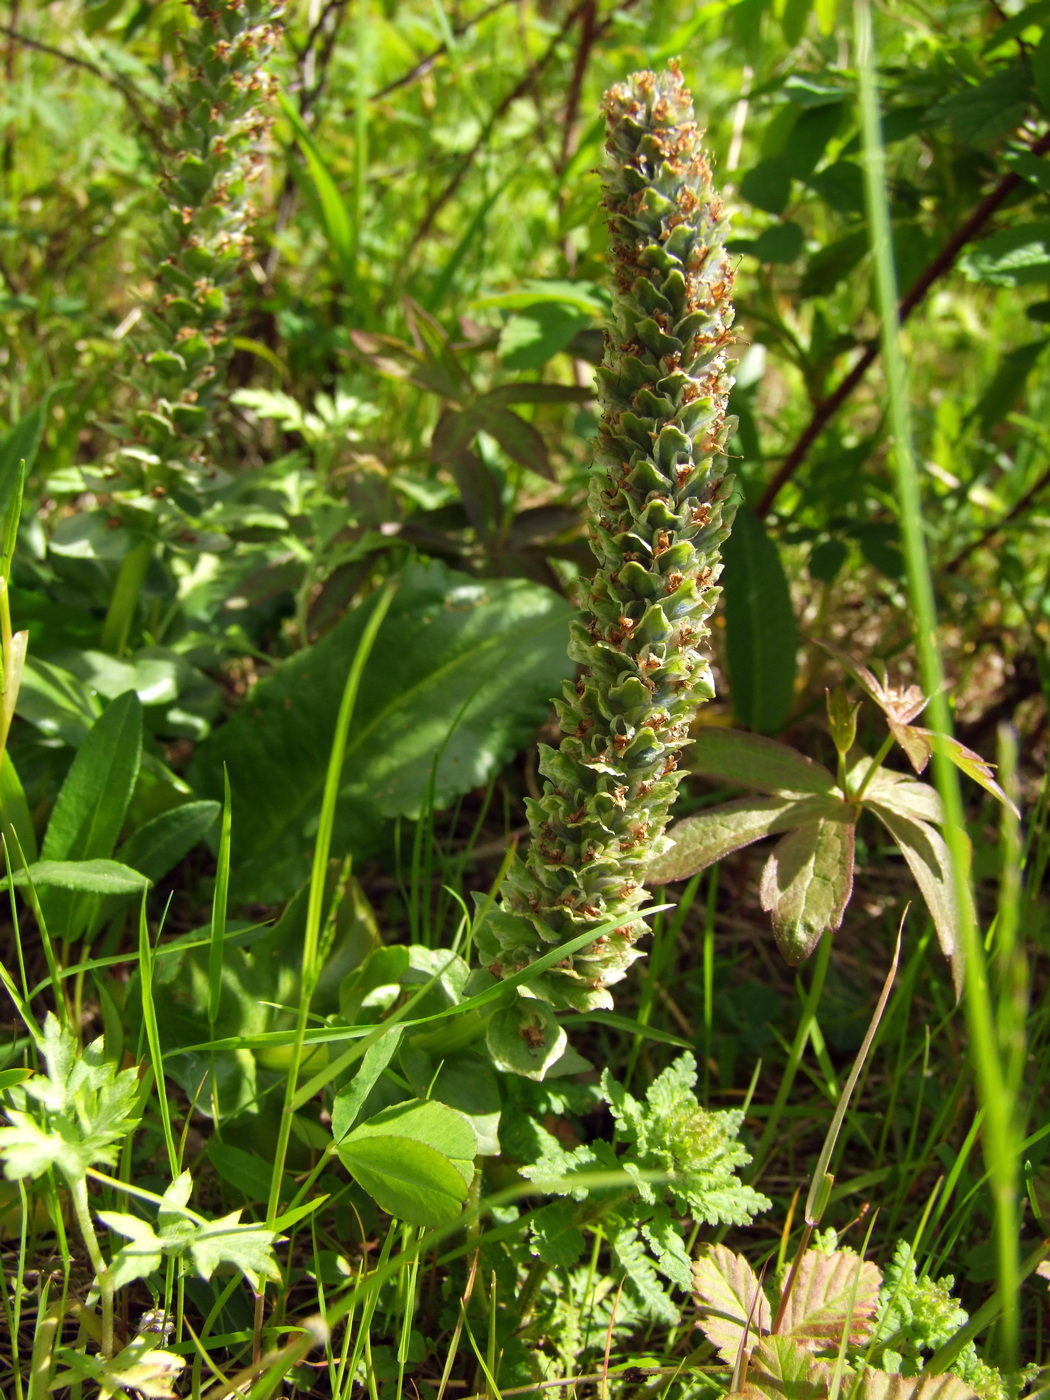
pixel 1002 1128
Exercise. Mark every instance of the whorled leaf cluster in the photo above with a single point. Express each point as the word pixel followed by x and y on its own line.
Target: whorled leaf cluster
pixel 658 501
pixel 213 151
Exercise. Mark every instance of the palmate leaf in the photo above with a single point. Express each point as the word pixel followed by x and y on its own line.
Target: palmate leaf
pixel 702 839
pixel 807 883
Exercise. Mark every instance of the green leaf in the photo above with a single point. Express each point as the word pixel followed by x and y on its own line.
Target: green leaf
pixel 768 185
pixel 555 1237
pixel 1016 257
pixel 523 1037
pixel 83 876
pixel 899 793
pixel 781 243
pixel 90 808
pixel 702 839
pixel 350 1099
pixel 59 704
pixel 970 763
pixel 416 1159
pixel 536 334
pixel 807 882
pixel 780 1369
pixel 989 108
pixel 1009 381
pixel 14 810
pixel 638 1267
pixel 245 1171
pixel 878 1385
pixel 750 760
pixel 519 440
pixel 161 843
pixel 461 674
pixel 664 1238
pixel 245 1247
pixel 137 1259
pixel 926 852
pixel 760 626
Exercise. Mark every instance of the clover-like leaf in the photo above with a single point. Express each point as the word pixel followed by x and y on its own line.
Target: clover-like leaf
pixel 727 1293
pixel 832 1294
pixel 702 839
pixel 807 883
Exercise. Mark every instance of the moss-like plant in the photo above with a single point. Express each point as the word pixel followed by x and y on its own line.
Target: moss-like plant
pixel 199 253
pixel 658 507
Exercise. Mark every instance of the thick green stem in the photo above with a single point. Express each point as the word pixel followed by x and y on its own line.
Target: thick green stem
pixel 78 1194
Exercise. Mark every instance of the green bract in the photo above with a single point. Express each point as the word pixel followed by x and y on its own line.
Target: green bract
pixel 658 505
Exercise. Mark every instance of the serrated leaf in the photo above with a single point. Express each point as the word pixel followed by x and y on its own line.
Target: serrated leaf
pixel 929 860
pixel 782 1370
pixel 141 1256
pixel 665 1240
pixel 970 763
pixel 226 1241
pixel 733 756
pixel 702 839
pixel 631 1252
pixel 555 1238
pixel 725 1288
pixel 878 1385
pixel 807 883
pixel 832 1292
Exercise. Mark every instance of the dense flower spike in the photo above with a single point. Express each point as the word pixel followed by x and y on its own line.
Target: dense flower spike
pixel 658 503
pixel 214 150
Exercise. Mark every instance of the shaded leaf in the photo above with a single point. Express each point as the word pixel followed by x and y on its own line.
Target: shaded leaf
pixel 523 1037
pixel 903 795
pixel 807 882
pixel 520 440
pixel 761 642
pixel 1015 257
pixel 828 1296
pixel 702 839
pixel 912 740
pixel 733 756
pixel 926 852
pixel 725 1288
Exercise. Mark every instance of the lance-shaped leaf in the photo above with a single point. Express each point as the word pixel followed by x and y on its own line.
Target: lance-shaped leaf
pixel 832 1294
pixel 878 1385
pixel 702 839
pixel 807 882
pixel 929 860
pixel 727 1294
pixel 968 762
pixel 754 761
pixel 781 1369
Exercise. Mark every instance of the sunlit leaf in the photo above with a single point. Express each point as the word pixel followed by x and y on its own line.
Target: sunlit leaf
pixel 726 1288
pixel 832 1294
pixel 702 839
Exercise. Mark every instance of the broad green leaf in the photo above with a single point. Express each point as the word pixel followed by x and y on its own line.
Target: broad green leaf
pixel 750 760
pixel 14 811
pixel 726 1290
pixel 984 110
pixel 781 1369
pixel 520 440
pixel 90 808
pixel 245 1171
pixel 461 674
pixel 702 839
pixel 140 1256
pixel 425 1120
pixel 832 1293
pixel 161 843
pixel 406 1178
pixel 761 641
pixel 534 335
pixel 926 852
pixel 60 705
pixel 465 1082
pixel 523 1037
pixel 83 876
pixel 807 882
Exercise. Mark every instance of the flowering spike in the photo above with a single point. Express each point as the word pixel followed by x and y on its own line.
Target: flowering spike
pixel 658 504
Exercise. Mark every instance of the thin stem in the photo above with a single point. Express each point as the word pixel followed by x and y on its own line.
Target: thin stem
pixel 82 1210
pixel 876 764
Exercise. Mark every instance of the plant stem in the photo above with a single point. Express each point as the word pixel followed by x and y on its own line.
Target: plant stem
pixel 79 1196
pixel 117 626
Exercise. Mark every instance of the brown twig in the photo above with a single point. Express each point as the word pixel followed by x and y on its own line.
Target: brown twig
pixel 130 96
pixel 1018 508
pixel 588 34
pixel 826 409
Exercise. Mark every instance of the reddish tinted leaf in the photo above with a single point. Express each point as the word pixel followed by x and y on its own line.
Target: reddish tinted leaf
pixel 832 1292
pixel 520 440
pixel 970 763
pixel 726 1289
pixel 913 741
pixel 807 883
pixel 877 1385
pixel 529 391
pixel 781 1369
